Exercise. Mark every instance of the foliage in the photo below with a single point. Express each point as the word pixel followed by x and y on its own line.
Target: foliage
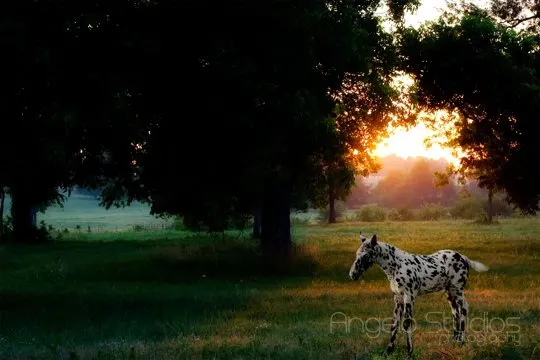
pixel 499 205
pixel 467 208
pixel 370 213
pixel 487 76
pixel 402 188
pixel 401 214
pixel 100 97
pixel 42 234
pixel 299 118
pixel 431 211
pixel 518 14
pixel 520 214
pixel 57 100
pixel 484 219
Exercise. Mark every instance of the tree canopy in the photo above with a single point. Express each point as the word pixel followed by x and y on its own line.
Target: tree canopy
pixel 488 74
pixel 150 100
pixel 153 100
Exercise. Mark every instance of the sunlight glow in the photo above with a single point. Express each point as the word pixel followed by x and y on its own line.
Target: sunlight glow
pixel 430 10
pixel 411 143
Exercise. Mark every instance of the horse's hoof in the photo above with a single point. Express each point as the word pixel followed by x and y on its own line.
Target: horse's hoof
pixel 460 338
pixel 389 350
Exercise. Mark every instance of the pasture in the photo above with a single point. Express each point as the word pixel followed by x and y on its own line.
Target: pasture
pixel 81 213
pixel 179 295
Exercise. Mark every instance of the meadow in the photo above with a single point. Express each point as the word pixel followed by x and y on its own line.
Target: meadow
pixel 82 212
pixel 179 295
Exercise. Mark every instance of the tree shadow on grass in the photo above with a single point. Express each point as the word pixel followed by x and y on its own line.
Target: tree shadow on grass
pixel 180 264
pixel 87 294
pixel 34 320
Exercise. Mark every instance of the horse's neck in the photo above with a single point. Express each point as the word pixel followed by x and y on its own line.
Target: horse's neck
pixel 387 257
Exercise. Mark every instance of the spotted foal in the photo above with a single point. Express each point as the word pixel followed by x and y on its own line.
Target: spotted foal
pixel 411 275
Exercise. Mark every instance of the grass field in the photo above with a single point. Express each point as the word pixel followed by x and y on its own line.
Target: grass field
pixel 83 212
pixel 178 295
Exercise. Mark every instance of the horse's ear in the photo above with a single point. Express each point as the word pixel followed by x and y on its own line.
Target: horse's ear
pixel 362 238
pixel 373 240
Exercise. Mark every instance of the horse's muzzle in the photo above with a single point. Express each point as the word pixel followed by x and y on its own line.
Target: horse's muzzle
pixel 355 276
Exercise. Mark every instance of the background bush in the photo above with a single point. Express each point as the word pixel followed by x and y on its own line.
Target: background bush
pixel 401 214
pixel 431 211
pixel 500 206
pixel 370 213
pixel 467 208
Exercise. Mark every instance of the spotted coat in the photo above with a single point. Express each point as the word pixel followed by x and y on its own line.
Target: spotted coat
pixel 411 275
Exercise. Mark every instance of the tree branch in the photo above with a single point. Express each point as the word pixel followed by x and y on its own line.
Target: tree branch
pixel 515 23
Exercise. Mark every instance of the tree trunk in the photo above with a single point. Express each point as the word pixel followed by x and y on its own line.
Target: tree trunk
pixel 276 222
pixel 257 228
pixel 23 215
pixel 490 206
pixel 331 205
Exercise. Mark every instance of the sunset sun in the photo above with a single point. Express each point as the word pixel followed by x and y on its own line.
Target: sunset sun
pixel 410 142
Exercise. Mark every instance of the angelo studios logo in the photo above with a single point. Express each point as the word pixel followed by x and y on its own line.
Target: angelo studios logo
pixel 372 327
pixel 481 330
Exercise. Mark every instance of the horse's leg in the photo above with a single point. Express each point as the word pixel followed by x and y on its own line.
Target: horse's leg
pixel 455 314
pixel 396 320
pixel 463 312
pixel 460 308
pixel 408 302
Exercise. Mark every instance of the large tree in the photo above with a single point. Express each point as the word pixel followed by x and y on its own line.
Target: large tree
pixel 63 100
pixel 36 156
pixel 248 97
pixel 155 100
pixel 489 75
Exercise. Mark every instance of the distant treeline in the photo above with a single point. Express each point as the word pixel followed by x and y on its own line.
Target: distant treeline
pixel 409 183
pixel 401 183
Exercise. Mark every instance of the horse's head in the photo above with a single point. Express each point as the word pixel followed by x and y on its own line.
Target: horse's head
pixel 365 256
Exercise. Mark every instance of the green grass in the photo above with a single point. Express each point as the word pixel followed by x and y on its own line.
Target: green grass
pixel 84 212
pixel 178 295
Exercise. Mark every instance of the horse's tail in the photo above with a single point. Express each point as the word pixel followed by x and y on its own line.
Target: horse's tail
pixel 477 266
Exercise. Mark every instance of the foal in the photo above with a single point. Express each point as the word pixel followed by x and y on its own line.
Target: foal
pixel 411 275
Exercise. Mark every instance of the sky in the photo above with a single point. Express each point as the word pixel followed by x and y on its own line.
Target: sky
pixel 410 143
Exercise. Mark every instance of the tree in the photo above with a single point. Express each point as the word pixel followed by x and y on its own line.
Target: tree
pixel 517 14
pixel 35 134
pixel 368 105
pixel 59 97
pixel 488 75
pixel 261 112
pixel 481 173
pixel 100 95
